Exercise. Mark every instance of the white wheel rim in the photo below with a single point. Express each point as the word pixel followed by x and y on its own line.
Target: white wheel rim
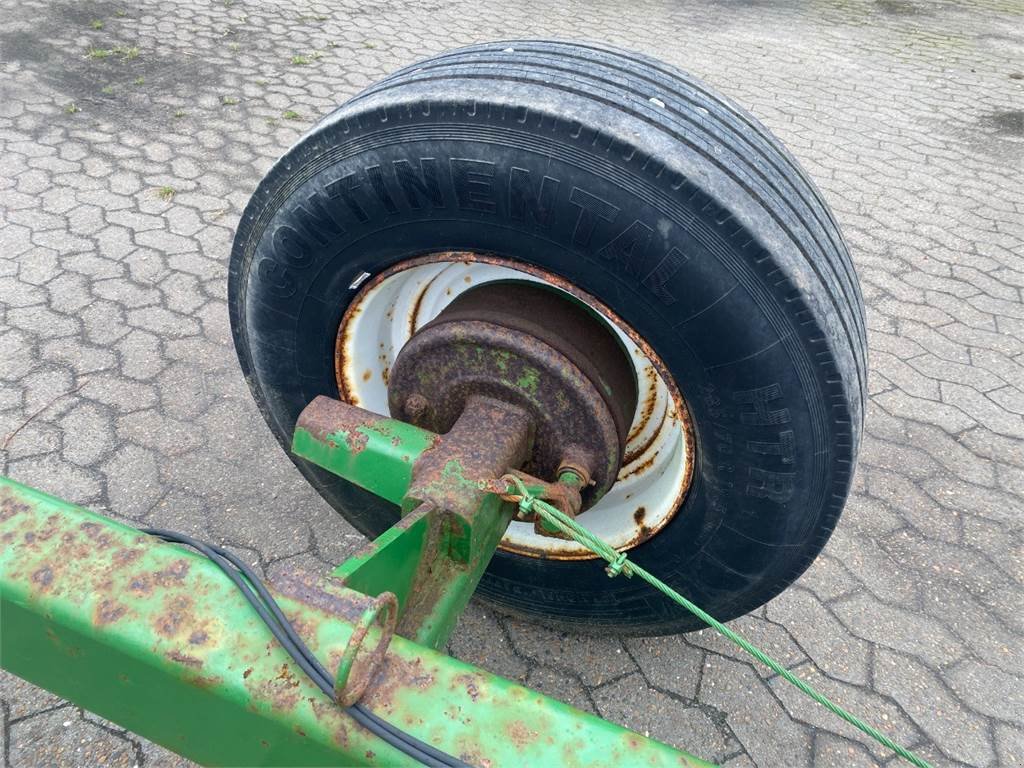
pixel 658 462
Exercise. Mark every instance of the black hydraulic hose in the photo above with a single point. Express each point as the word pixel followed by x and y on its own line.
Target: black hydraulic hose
pixel 283 631
pixel 358 711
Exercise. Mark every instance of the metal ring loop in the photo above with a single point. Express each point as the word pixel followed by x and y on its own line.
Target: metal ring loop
pixel 352 680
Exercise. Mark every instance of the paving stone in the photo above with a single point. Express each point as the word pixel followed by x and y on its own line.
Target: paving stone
pixel 991 638
pixel 771 638
pixel 61 737
pixel 671 663
pixel 12 396
pixel 1007 602
pixel 155 756
pixel 989 691
pixel 957 731
pixel 881 712
pixel 903 630
pixel 631 703
pixel 133 480
pixel 14 293
pixel 741 760
pixel 179 510
pixel 162 321
pixel 37 266
pixel 983 536
pixel 17 352
pixel 479 639
pixel 120 393
pixel 595 659
pixel 903 495
pixel 832 647
pixel 556 684
pixel 755 716
pixel 948 417
pixel 126 292
pixel 952 454
pixel 831 750
pixel 186 394
pixel 828 578
pixel 141 355
pixel 334 540
pixel 23 438
pixel 870 566
pixel 104 322
pixel 92 266
pixel 993 504
pixel 39 319
pixel 1010 745
pixel 154 430
pixel 938 559
pixel 24 699
pixel 55 476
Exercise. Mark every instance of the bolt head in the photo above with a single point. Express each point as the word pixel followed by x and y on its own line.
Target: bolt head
pixel 415 405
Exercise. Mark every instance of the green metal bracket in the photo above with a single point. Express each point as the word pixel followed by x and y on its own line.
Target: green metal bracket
pixel 374 452
pixel 156 639
pixel 434 557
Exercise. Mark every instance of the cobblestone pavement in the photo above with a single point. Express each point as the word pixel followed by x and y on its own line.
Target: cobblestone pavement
pixel 131 136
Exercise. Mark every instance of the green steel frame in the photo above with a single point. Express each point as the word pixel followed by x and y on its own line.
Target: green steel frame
pixel 154 637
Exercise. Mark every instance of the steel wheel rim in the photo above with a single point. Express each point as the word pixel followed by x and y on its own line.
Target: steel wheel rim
pixel 658 465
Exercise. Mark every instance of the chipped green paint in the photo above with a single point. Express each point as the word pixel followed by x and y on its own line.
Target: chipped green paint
pixel 528 380
pixel 501 358
pixel 377 455
pixel 453 478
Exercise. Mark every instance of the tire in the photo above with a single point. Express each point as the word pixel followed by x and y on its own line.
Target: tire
pixel 664 200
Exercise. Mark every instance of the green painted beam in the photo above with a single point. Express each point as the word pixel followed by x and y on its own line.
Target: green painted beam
pixel 374 452
pixel 156 639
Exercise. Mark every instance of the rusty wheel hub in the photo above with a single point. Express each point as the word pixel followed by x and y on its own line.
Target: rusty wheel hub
pixel 534 347
pixel 651 462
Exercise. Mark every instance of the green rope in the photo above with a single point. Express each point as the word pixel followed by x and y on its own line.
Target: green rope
pixel 619 563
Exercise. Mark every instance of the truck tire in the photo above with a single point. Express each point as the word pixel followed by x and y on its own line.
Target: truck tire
pixel 640 189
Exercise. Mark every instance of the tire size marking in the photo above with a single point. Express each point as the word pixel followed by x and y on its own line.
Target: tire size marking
pixel 579 218
pixel 771 460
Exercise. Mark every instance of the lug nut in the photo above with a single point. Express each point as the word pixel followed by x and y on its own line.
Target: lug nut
pixel 415 405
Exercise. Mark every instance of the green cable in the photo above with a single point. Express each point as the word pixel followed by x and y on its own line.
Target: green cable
pixel 619 563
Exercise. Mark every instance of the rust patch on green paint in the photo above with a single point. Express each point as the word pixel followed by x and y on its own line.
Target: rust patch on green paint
pixel 469 682
pixel 205 681
pixel 322 593
pixel 173 575
pixel 43 577
pixel 141 585
pixel 281 692
pixel 125 557
pixel 184 658
pixel 520 734
pixel 95 533
pixel 107 612
pixel 199 637
pixel 175 616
